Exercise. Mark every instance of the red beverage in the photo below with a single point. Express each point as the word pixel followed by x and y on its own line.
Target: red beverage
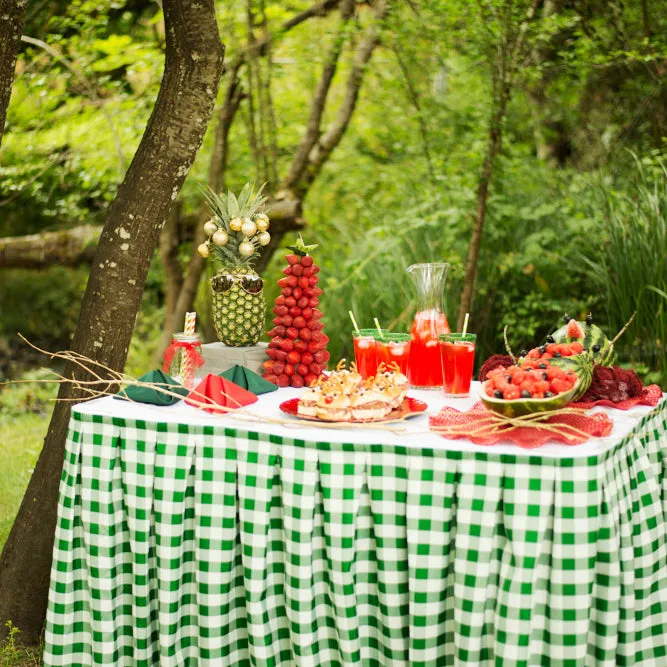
pixel 394 349
pixel 425 365
pixel 457 352
pixel 365 355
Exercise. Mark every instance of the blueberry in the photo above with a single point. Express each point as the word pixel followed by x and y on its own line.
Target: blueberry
pixel 557 355
pixel 542 365
pixel 542 349
pixel 589 319
pixel 566 318
pixel 526 394
pixel 596 348
pixel 545 376
pixel 550 339
pixel 548 394
pixel 523 353
pixel 508 378
pixel 497 394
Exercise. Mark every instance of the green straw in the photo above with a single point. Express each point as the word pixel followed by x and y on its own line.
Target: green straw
pixel 354 321
pixel 465 324
pixel 379 328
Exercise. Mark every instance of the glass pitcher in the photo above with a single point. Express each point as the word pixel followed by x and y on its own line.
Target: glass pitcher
pixel 425 369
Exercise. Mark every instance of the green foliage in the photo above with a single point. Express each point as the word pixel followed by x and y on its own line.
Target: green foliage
pixel 13 655
pixel 630 268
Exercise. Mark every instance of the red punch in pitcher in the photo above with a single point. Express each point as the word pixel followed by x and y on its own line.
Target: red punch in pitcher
pixel 425 369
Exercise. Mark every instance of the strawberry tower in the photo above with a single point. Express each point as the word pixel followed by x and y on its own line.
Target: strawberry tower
pixel 297 350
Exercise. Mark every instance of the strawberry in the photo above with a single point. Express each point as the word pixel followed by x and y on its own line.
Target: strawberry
pixel 271 378
pixel 271 352
pixel 286 291
pixel 280 355
pixel 300 345
pixel 310 379
pixel 302 303
pixel 286 345
pixel 295 311
pixel 302 369
pixel 292 333
pixel 277 331
pixel 290 301
pixel 312 281
pixel 296 270
pixel 307 358
pixel 305 334
pixel 299 322
pixel 307 272
pixel 283 381
pixel 297 293
pixel 280 300
pixel 289 370
pixel 313 301
pixel 268 364
pixel 307 313
pixel 278 367
pixel 297 380
pixel 292 259
pixel 275 342
pixel 293 281
pixel 288 270
pixel 304 282
pixel 283 282
pixel 314 346
pixel 307 260
pixel 317 313
pixel 280 310
pixel 319 357
pixel 315 368
pixel 286 320
pixel 277 320
pixel 293 357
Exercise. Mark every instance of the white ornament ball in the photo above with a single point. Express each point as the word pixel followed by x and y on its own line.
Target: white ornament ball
pixel 264 238
pixel 248 228
pixel 262 222
pixel 246 249
pixel 210 227
pixel 235 224
pixel 220 237
pixel 203 249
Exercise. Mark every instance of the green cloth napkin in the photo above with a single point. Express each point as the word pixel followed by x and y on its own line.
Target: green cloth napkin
pixel 249 380
pixel 153 396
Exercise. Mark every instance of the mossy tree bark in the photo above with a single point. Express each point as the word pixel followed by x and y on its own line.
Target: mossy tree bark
pixel 12 16
pixel 193 66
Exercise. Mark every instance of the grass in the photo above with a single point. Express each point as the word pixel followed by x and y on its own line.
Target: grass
pixel 14 655
pixel 21 440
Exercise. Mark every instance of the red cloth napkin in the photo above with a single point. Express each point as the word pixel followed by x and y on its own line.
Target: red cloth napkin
pixel 219 392
pixel 650 395
pixel 528 437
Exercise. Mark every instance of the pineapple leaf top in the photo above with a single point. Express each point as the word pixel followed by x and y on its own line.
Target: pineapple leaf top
pixel 230 213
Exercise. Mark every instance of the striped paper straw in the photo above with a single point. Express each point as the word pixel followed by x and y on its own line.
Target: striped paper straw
pixel 187 369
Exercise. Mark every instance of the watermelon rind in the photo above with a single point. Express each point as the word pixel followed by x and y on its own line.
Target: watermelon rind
pixel 581 364
pixel 527 406
pixel 593 335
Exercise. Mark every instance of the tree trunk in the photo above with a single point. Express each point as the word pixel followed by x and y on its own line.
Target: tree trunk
pixel 67 247
pixel 12 16
pixel 493 148
pixel 193 64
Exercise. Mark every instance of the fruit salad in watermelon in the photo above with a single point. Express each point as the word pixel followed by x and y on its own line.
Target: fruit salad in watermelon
pixel 533 385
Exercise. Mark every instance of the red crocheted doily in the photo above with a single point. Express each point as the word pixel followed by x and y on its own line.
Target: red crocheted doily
pixel 528 437
pixel 650 395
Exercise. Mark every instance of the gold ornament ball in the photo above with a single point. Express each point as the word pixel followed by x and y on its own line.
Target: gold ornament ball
pixel 203 249
pixel 210 227
pixel 220 238
pixel 264 238
pixel 262 222
pixel 248 228
pixel 246 249
pixel 235 224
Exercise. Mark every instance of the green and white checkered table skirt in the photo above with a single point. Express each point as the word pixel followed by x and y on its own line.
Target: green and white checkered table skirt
pixel 201 544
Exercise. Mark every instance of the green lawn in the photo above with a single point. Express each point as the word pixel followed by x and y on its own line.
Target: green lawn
pixel 21 439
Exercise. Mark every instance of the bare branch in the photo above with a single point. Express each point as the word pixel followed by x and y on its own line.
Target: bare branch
pixel 300 161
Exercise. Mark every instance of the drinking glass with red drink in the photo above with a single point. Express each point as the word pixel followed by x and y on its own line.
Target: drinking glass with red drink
pixel 457 353
pixel 365 352
pixel 394 348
